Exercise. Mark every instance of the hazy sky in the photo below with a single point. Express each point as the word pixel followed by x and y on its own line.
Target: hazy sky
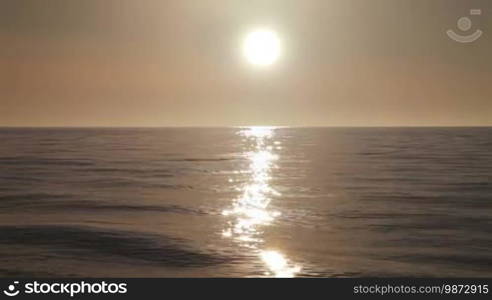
pixel 179 63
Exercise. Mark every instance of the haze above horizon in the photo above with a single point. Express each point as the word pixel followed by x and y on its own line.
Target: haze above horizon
pixel 315 63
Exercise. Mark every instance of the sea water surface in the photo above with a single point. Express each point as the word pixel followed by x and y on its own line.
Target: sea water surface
pixel 246 202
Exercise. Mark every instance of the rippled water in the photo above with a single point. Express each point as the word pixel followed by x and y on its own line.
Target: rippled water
pixel 246 202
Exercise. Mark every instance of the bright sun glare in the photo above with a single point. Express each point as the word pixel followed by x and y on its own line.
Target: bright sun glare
pixel 262 47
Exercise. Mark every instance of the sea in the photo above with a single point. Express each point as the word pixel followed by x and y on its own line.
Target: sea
pixel 246 202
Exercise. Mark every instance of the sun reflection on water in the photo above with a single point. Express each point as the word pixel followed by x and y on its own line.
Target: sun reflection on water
pixel 250 211
pixel 278 265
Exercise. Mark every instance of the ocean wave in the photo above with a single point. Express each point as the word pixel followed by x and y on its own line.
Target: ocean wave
pixel 90 242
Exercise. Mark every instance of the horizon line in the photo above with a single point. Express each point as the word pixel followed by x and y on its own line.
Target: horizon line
pixel 242 126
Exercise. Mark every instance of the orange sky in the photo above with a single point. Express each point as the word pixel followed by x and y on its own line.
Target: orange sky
pixel 178 63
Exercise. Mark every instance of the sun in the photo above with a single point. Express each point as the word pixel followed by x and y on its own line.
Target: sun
pixel 261 47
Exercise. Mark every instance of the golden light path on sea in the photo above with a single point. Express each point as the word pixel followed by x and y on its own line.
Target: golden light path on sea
pixel 250 211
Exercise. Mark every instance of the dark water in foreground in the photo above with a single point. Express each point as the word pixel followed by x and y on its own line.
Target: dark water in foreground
pixel 246 202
